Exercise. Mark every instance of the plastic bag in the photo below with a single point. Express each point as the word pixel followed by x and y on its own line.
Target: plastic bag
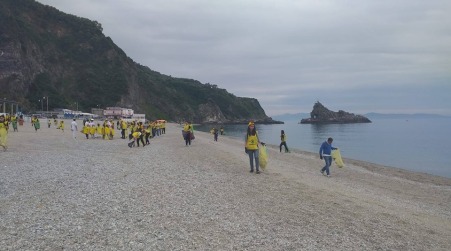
pixel 263 156
pixel 337 158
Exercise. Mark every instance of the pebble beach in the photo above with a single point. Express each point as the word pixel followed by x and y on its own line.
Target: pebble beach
pixel 57 193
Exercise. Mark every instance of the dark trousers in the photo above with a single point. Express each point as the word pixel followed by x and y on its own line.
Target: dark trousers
pixel 188 138
pixel 123 133
pixel 147 138
pixel 141 138
pixel 285 145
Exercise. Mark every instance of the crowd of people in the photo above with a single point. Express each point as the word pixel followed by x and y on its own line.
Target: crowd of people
pixel 135 131
pixel 139 132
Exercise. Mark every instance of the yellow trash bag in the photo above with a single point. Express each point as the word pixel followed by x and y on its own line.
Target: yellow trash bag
pixel 262 156
pixel 337 158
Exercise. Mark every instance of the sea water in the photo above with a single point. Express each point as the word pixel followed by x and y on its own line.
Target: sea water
pixel 415 144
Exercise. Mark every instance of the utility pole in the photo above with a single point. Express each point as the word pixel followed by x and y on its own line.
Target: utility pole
pixel 42 104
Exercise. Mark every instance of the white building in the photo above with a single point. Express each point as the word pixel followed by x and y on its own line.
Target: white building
pixel 118 112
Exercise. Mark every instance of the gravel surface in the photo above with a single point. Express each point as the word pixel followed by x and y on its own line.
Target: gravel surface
pixel 61 194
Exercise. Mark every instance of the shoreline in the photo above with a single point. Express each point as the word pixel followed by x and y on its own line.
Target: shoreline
pixel 57 193
pixel 383 169
pixel 383 163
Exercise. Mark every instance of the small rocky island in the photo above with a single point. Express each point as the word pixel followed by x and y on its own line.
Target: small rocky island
pixel 322 115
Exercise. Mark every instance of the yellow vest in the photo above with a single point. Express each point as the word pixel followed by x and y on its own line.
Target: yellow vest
pixel 252 142
pixel 4 125
pixel 283 138
pixel 187 128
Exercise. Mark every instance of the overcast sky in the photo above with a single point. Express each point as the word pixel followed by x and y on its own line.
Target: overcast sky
pixel 388 56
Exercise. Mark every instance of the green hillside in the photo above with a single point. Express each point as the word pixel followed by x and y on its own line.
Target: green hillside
pixel 47 53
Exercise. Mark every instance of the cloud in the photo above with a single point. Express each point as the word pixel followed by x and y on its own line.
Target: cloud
pixel 360 55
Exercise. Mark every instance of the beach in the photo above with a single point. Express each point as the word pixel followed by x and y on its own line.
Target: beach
pixel 57 193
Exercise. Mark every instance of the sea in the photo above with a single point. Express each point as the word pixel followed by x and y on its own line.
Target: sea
pixel 415 144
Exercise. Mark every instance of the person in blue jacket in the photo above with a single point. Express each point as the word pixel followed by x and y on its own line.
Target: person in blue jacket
pixel 325 152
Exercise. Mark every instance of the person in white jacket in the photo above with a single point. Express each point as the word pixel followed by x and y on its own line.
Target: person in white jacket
pixel 74 129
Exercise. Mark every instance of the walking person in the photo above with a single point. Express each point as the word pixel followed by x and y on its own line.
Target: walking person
pixel 251 147
pixel 147 134
pixel 61 126
pixel 325 151
pixel 14 123
pixel 3 132
pixel 283 141
pixel 86 126
pixel 36 124
pixel 74 129
pixel 92 129
pixel 187 131
pixel 215 133
pixel 123 126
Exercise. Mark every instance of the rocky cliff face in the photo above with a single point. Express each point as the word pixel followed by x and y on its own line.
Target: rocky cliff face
pixel 211 113
pixel 321 115
pixel 68 60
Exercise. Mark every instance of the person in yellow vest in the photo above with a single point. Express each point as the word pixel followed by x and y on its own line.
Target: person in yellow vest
pixel 158 128
pixel 112 132
pixel 86 127
pixel 35 123
pixel 130 126
pixel 153 130
pixel 100 130
pixel 3 132
pixel 14 122
pixel 251 146
pixel 33 119
pixel 106 128
pixel 147 133
pixel 141 136
pixel 187 132
pixel 61 126
pixel 283 141
pixel 92 129
pixel 135 137
pixel 123 126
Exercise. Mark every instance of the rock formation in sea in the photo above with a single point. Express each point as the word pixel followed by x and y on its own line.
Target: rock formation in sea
pixel 321 115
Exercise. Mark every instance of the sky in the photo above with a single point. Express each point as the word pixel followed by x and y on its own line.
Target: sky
pixel 360 56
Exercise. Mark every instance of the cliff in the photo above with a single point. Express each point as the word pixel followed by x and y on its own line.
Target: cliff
pixel 321 115
pixel 47 53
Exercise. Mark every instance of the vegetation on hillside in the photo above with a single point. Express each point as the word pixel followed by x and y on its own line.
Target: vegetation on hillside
pixel 69 60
